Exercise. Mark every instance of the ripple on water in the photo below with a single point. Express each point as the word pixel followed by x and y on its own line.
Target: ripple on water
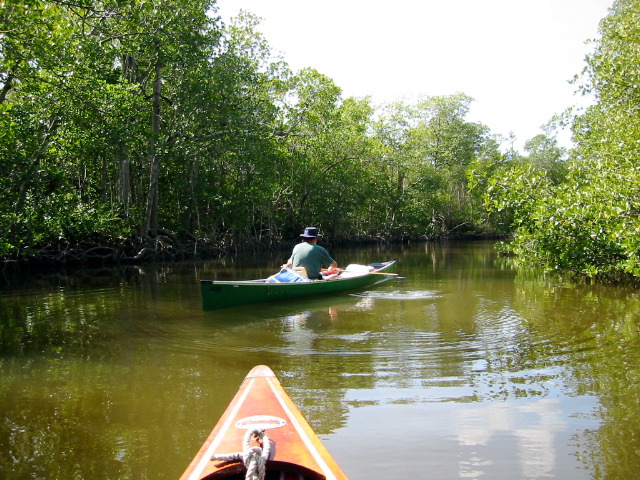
pixel 400 295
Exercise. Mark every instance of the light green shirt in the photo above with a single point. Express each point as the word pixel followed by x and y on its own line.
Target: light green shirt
pixel 312 257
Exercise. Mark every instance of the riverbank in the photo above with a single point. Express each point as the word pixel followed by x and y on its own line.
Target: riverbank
pixel 163 246
pixel 166 246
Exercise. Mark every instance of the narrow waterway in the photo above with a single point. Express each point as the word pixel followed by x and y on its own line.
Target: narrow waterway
pixel 461 368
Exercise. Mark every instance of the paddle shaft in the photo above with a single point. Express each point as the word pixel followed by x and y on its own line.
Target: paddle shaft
pixel 369 273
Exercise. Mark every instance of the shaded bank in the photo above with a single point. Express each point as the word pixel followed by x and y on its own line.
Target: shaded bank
pixel 164 246
pixel 167 246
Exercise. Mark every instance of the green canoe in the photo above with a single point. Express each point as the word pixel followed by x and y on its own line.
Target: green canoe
pixel 224 294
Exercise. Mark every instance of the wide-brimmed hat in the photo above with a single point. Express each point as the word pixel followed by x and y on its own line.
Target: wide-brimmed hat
pixel 310 232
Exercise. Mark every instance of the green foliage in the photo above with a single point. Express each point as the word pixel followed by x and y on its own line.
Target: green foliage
pixel 586 227
pixel 545 154
pixel 119 118
pixel 428 148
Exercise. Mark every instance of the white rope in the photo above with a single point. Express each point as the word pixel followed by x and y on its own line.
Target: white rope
pixel 254 458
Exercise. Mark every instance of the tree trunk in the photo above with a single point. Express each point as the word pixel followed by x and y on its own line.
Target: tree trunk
pixel 151 215
pixel 192 220
pixel 124 191
pixel 6 86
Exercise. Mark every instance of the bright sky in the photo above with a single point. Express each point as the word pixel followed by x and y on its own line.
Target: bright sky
pixel 514 57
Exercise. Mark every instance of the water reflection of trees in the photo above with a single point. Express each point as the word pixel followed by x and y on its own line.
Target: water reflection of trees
pixel 76 419
pixel 594 333
pixel 55 322
pixel 82 312
pixel 83 393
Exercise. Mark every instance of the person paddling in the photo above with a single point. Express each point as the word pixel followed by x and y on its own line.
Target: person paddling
pixel 311 256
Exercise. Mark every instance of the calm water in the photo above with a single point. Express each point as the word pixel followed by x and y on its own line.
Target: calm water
pixel 461 369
